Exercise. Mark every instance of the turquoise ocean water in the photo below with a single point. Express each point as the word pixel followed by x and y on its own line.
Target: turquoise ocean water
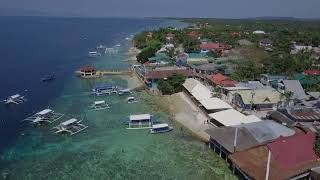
pixel 106 150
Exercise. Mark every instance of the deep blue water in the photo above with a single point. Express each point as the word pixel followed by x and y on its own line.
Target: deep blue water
pixel 31 47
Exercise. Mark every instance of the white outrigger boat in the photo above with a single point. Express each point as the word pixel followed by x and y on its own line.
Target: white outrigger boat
pixel 15 99
pixel 46 115
pixel 124 92
pixel 72 126
pixel 99 105
pixel 160 128
pixel 131 100
pixel 141 121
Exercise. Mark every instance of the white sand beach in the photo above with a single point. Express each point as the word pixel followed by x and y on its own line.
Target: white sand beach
pixel 189 115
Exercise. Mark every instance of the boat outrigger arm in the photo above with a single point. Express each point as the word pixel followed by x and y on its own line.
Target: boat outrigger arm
pixel 72 126
pixel 46 115
pixel 15 99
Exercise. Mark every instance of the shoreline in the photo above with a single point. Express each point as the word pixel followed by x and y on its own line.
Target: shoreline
pixel 182 112
pixel 179 107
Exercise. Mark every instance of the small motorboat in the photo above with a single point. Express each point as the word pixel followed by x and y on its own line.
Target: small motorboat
pixel 131 100
pixel 124 92
pixel 94 54
pixel 160 128
pixel 48 78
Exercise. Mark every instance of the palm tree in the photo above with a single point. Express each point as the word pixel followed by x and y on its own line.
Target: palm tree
pixel 287 95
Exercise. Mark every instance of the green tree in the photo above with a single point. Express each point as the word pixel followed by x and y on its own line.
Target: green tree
pixel 171 85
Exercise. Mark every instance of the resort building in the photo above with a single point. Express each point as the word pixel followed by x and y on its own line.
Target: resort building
pixel 231 117
pixel 260 99
pixel 269 80
pixel 217 47
pixel 300 115
pixel 285 158
pixel 152 75
pixel 228 140
pixel 203 97
pixel 222 81
pixel 293 86
pixel 88 71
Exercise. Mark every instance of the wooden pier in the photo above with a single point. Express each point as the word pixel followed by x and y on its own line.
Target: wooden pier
pixel 101 73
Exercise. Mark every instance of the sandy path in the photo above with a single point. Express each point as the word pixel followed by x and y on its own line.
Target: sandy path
pixel 189 115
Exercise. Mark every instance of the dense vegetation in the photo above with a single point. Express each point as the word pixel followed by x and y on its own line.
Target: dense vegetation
pixel 255 60
pixel 171 85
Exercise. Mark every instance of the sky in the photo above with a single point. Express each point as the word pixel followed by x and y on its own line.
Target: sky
pixel 169 8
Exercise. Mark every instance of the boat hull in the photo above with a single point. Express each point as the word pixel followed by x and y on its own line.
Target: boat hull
pixel 162 131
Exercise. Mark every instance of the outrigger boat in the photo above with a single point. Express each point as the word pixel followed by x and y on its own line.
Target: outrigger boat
pixel 15 99
pixel 72 126
pixel 46 115
pixel 124 92
pixel 131 100
pixel 99 105
pixel 94 54
pixel 141 121
pixel 160 128
pixel 48 78
pixel 105 90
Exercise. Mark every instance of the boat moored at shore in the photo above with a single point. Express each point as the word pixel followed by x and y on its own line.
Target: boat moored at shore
pixel 105 89
pixel 160 128
pixel 131 100
pixel 99 105
pixel 124 92
pixel 140 121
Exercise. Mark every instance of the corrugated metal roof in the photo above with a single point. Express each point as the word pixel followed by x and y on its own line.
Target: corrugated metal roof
pixel 214 104
pixel 232 117
pixel 264 131
pixel 260 96
pixel 295 87
pixel 294 150
pixel 140 117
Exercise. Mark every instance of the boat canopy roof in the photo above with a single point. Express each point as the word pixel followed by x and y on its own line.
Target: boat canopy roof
pixel 99 102
pixel 163 125
pixel 125 90
pixel 93 52
pixel 44 112
pixel 15 96
pixel 68 122
pixel 140 117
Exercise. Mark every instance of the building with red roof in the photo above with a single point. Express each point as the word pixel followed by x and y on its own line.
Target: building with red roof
pixel 291 157
pixel 165 72
pixel 312 72
pixel 221 80
pixel 87 71
pixel 210 46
